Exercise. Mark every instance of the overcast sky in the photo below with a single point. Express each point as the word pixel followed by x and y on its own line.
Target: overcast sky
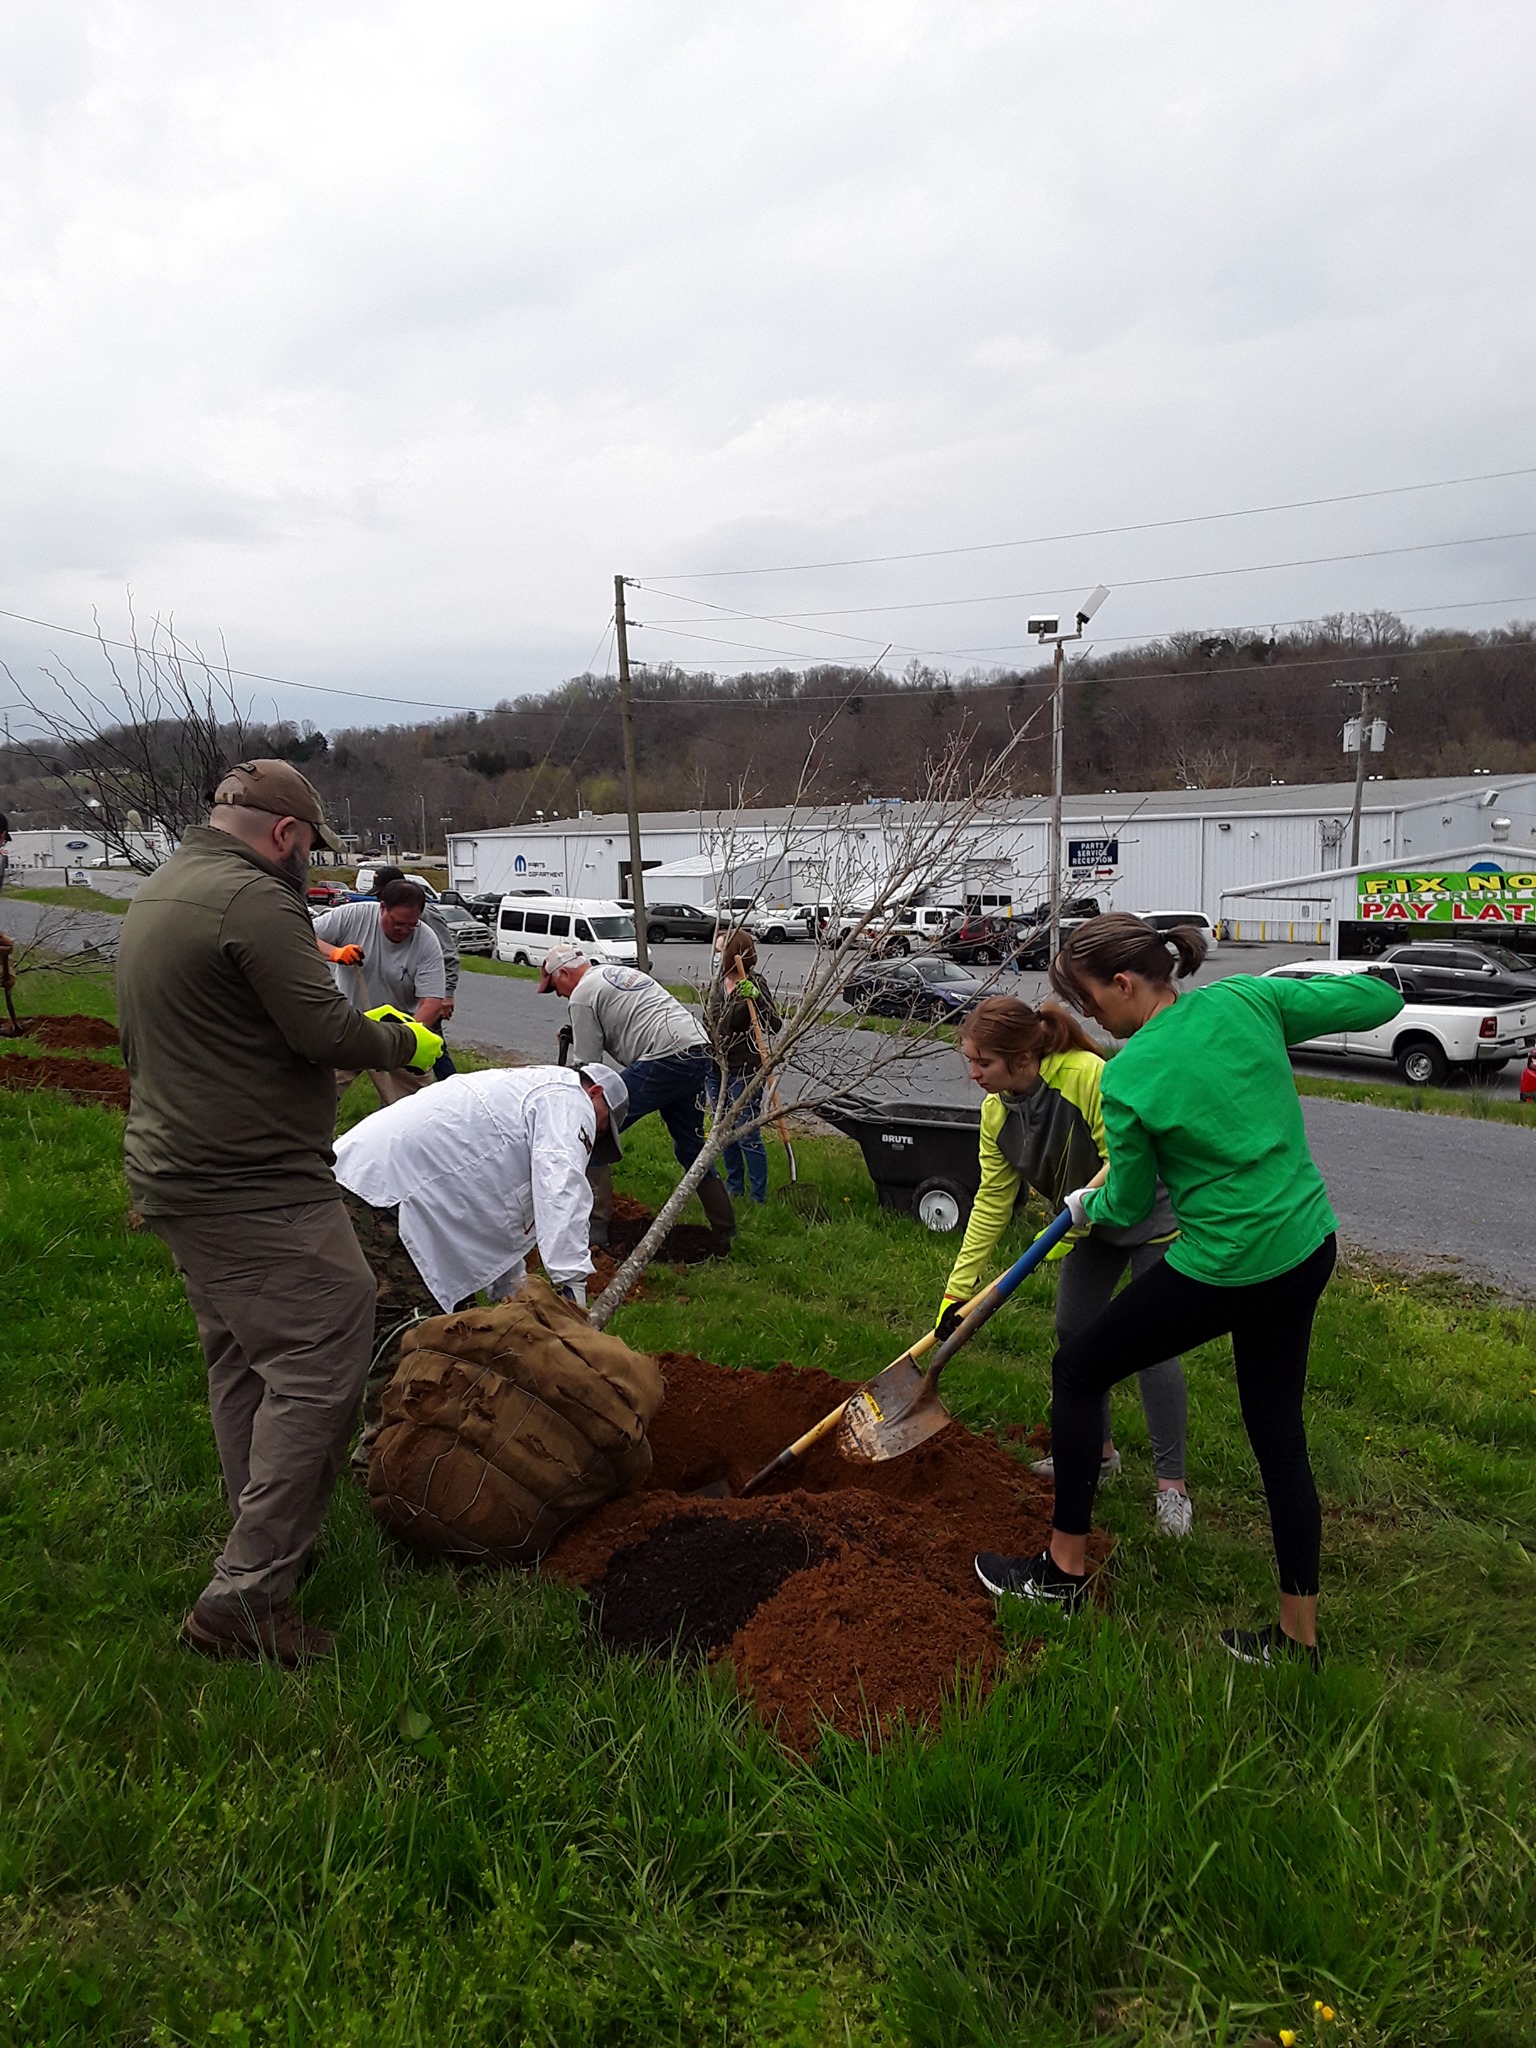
pixel 378 338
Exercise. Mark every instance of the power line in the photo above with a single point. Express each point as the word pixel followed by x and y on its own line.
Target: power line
pixel 1098 532
pixel 928 604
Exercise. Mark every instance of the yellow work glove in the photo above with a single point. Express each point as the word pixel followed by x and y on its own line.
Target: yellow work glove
pixel 950 1315
pixel 429 1047
pixel 344 956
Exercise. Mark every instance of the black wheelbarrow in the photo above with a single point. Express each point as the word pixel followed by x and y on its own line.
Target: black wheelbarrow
pixel 922 1156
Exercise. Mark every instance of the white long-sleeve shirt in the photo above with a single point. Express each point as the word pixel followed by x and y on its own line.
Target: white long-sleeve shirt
pixel 482 1167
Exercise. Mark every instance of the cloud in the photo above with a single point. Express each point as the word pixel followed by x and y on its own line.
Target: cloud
pixel 347 331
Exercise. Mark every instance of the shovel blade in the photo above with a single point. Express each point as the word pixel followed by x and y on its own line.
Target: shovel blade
pixel 896 1412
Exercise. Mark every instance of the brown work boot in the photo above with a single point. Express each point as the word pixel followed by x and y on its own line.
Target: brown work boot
pixel 280 1635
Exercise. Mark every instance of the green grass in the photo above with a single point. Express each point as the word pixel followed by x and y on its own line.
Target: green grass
pixel 1474 1100
pixel 74 899
pixel 476 1828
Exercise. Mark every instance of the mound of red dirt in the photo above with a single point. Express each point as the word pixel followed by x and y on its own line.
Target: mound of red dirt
pixel 70 1033
pixel 84 1080
pixel 866 1605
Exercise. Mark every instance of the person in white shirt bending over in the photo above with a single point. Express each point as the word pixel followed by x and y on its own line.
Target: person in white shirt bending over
pixel 450 1189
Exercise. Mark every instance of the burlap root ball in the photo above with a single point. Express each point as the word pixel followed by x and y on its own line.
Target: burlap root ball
pixel 502 1425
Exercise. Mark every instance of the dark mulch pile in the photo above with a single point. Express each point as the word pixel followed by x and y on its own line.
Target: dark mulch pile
pixel 684 1244
pixel 695 1581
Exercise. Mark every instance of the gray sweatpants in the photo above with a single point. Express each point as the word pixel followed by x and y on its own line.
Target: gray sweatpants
pixel 1087 1279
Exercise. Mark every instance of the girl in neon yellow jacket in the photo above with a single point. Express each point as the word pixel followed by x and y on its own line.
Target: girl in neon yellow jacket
pixel 1042 1127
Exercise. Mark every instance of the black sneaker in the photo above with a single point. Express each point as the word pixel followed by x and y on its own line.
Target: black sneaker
pixel 1268 1646
pixel 1031 1578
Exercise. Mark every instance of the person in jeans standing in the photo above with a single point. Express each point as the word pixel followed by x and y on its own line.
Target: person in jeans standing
pixel 729 1007
pixel 1042 1127
pixel 620 1015
pixel 231 1031
pixel 1203 1099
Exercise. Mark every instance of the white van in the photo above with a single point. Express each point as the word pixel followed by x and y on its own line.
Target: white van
pixel 527 926
pixel 365 875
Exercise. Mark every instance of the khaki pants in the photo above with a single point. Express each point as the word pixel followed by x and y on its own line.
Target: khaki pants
pixel 394 1084
pixel 284 1305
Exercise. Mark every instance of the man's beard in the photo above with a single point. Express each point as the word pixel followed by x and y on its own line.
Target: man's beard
pixel 295 865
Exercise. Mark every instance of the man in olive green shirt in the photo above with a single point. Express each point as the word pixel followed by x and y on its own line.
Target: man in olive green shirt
pixel 232 1028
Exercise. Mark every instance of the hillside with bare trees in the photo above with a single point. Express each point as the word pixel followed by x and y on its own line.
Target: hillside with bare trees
pixel 1198 710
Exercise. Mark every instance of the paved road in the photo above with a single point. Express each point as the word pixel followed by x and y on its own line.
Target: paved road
pixel 1436 1190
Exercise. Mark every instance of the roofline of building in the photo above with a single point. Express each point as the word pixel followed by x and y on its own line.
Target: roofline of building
pixel 1024 810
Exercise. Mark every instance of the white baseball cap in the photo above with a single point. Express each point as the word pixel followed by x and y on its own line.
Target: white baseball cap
pixel 556 958
pixel 616 1095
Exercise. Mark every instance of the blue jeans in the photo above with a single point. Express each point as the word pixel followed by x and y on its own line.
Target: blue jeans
pixel 674 1086
pixel 746 1158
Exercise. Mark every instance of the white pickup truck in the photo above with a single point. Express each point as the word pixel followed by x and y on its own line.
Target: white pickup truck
pixel 1425 1039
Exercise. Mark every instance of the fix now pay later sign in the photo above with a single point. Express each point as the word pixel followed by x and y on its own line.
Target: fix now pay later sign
pixel 1406 897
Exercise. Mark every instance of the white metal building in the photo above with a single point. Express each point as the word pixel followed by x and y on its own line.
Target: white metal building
pixel 1154 850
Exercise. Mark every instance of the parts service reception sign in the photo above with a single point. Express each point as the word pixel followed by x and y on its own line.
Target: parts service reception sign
pixel 1480 898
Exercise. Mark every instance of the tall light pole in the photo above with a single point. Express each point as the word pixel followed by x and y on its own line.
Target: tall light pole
pixel 1048 633
pixel 627 714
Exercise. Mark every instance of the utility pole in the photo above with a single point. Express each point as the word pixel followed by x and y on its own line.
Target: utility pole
pixel 1048 633
pixel 627 713
pixel 1365 729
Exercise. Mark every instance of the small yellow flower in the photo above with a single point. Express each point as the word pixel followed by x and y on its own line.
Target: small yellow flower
pixel 1327 2012
pixel 1317 2005
pixel 1287 2037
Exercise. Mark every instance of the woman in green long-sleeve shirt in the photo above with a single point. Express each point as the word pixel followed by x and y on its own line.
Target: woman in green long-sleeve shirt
pixel 1202 1098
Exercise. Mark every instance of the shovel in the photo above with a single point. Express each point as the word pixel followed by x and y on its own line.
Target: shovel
pixel 828 1423
pixel 900 1408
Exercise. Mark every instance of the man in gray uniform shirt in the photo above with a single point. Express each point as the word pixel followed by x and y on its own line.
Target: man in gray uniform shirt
pixel 620 1015
pixel 382 953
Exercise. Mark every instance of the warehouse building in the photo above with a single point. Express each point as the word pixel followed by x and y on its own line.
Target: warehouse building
pixel 1207 849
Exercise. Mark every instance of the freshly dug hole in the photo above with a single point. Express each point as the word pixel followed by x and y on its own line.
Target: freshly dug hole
pixel 684 1244
pixel 883 1622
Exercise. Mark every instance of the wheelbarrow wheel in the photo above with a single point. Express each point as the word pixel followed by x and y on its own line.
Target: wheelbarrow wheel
pixel 940 1205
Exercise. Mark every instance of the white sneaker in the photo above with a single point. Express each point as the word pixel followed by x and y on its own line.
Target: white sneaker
pixel 1045 1468
pixel 1175 1512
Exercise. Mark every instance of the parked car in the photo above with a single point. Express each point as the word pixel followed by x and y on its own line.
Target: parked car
pixel 927 988
pixel 1478 973
pixel 470 935
pixel 1427 1037
pixel 915 929
pixel 982 941
pixel 363 886
pixel 326 895
pixel 777 927
pixel 680 921
pixel 1166 920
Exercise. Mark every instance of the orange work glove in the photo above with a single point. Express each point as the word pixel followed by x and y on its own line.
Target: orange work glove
pixel 344 956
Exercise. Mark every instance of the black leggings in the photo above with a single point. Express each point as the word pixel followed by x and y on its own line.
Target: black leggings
pixel 1163 1313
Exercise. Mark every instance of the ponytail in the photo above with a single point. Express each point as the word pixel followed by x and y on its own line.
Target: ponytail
pixel 1103 947
pixel 1010 1030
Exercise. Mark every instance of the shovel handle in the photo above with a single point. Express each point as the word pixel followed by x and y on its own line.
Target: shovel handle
pixel 987 1304
pixel 828 1423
